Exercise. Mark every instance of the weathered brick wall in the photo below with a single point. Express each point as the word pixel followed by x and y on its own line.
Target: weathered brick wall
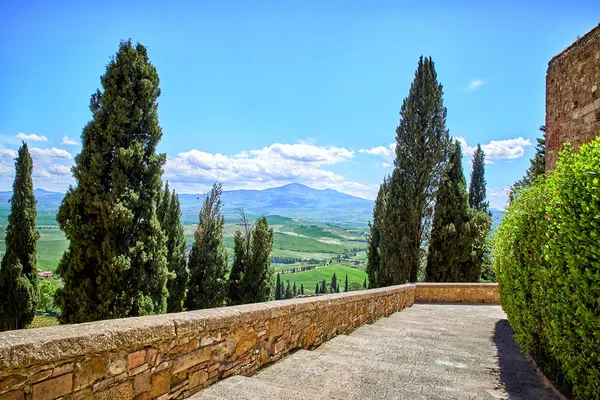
pixel 573 96
pixel 175 355
pixel 457 293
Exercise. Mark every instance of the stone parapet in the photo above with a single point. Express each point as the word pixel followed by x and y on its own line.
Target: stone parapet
pixel 457 293
pixel 175 355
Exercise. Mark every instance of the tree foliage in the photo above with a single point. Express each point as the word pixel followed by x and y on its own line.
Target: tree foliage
pixel 168 212
pixel 250 279
pixel 477 189
pixel 548 268
pixel 278 287
pixel 208 259
pixel 18 270
pixel 537 166
pixel 47 289
pixel 449 246
pixel 177 284
pixel 403 216
pixel 115 265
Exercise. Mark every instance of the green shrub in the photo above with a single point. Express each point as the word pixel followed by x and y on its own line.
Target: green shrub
pixel 547 260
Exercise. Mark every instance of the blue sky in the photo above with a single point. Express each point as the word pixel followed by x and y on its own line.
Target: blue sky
pixel 263 93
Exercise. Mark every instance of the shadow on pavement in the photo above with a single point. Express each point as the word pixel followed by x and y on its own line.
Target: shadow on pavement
pixel 517 374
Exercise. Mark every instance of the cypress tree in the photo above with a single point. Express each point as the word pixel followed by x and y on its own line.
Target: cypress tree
pixel 162 205
pixel 477 190
pixel 317 288
pixel 176 257
pixel 334 283
pixel 302 289
pixel 278 288
pixel 537 166
pixel 421 149
pixel 288 291
pixel 252 280
pixel 365 283
pixel 323 288
pixel 208 259
pixel 378 277
pixel 346 284
pixel 294 290
pixel 18 270
pixel 240 259
pixel 449 246
pixel 115 265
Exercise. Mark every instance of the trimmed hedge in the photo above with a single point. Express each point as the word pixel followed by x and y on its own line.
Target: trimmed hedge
pixel 547 260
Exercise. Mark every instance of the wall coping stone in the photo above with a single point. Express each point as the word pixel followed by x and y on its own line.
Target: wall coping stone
pixel 26 347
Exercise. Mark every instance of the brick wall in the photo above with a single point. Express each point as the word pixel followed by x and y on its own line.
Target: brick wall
pixel 573 96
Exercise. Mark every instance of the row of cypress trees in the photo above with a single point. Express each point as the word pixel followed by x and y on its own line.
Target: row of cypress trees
pixel 424 201
pixel 126 254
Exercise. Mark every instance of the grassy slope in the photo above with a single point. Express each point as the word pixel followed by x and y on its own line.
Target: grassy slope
pixel 310 278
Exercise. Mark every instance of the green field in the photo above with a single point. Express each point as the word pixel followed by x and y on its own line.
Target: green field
pixel 307 243
pixel 51 246
pixel 310 278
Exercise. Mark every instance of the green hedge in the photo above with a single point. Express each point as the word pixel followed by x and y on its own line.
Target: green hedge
pixel 547 260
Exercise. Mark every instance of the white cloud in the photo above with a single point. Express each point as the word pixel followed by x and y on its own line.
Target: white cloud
pixel 60 170
pixel 33 137
pixel 68 141
pixel 387 153
pixel 497 149
pixel 275 165
pixel 498 197
pixel 47 154
pixel 474 85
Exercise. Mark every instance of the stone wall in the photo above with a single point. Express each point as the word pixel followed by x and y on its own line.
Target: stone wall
pixel 176 355
pixel 173 356
pixel 573 96
pixel 457 293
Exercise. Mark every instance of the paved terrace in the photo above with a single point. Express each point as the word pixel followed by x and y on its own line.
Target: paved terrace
pixel 427 351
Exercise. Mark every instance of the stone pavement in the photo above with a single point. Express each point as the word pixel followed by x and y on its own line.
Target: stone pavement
pixel 427 351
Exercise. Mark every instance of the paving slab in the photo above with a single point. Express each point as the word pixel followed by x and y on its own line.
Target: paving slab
pixel 427 351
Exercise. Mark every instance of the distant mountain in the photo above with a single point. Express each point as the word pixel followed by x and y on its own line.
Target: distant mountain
pixel 292 201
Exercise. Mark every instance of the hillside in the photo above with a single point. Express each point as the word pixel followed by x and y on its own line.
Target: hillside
pixel 293 201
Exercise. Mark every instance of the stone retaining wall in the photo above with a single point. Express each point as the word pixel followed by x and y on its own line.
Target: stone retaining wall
pixel 457 293
pixel 176 355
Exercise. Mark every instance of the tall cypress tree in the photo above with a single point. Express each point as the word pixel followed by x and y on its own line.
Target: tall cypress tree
pixel 421 149
pixel 334 283
pixel 18 270
pixel 115 265
pixel 449 246
pixel 378 276
pixel 317 288
pixel 278 287
pixel 346 284
pixel 288 291
pixel 208 258
pixel 302 289
pixel 294 290
pixel 256 279
pixel 176 257
pixel 477 190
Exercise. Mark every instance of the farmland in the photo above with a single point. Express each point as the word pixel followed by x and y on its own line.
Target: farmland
pixel 297 243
